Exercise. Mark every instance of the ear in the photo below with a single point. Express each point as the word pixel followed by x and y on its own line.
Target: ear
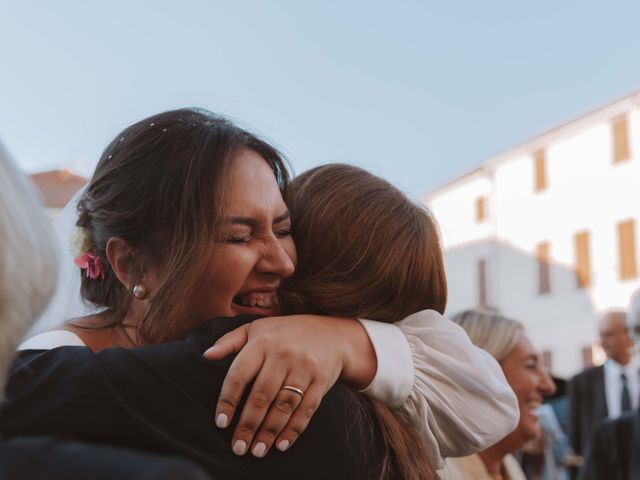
pixel 120 253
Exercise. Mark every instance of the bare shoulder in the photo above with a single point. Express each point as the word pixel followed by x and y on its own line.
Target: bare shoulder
pixel 52 339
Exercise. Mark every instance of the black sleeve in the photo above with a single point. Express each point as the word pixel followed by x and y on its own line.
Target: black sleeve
pixel 162 399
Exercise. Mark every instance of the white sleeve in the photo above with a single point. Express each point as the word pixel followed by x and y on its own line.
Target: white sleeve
pixel 394 377
pixel 459 398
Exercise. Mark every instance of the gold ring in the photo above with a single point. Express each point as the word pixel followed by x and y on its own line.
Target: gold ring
pixel 293 389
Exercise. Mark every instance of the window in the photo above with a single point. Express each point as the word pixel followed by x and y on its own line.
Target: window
pixel 583 270
pixel 541 172
pixel 481 212
pixel 620 130
pixel 627 249
pixel 544 280
pixel 482 283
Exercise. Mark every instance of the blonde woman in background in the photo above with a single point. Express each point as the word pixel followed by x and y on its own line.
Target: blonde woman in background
pixel 507 341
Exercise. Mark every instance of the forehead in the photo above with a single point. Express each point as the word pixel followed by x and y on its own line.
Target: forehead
pixel 612 322
pixel 523 347
pixel 253 184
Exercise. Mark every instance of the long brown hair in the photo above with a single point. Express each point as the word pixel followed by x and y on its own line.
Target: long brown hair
pixel 160 185
pixel 365 250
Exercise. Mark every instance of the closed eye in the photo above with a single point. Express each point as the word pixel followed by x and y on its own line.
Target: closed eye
pixel 237 240
pixel 283 233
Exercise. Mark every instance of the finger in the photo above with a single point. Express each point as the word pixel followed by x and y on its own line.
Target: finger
pixel 243 370
pixel 279 414
pixel 229 343
pixel 301 416
pixel 263 392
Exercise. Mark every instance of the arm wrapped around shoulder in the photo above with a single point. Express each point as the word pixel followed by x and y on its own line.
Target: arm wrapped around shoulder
pixel 458 397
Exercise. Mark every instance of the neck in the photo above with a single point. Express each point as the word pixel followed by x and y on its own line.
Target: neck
pixel 622 359
pixel 99 331
pixel 492 458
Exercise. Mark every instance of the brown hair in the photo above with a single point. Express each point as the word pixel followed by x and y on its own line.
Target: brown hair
pixel 365 250
pixel 160 185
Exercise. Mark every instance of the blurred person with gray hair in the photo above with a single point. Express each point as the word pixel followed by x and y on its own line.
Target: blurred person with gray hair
pixel 27 280
pixel 614 451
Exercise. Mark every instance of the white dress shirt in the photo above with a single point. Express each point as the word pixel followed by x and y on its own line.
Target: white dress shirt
pixel 613 384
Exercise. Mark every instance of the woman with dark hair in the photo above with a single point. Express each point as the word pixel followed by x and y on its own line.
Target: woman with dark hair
pixel 184 220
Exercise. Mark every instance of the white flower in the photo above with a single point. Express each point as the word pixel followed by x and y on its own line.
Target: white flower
pixel 80 241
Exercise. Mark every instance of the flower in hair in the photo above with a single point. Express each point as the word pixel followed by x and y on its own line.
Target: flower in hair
pixel 91 263
pixel 80 241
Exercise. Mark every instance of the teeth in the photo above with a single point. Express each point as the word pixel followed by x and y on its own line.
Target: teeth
pixel 264 301
pixel 533 404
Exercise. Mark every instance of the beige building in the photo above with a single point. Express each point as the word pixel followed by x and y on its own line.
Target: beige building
pixel 547 231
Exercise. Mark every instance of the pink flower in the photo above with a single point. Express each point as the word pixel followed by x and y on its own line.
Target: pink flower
pixel 91 263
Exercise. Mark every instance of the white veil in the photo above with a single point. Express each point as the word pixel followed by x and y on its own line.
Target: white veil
pixel 66 302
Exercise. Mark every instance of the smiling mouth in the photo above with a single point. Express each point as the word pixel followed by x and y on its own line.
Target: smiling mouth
pixel 256 302
pixel 532 405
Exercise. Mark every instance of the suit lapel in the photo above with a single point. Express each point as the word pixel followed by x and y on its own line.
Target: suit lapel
pixel 600 400
pixel 634 461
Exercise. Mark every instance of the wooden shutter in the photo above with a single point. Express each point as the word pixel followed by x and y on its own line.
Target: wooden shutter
pixel 541 170
pixel 583 269
pixel 620 129
pixel 482 283
pixel 627 249
pixel 544 280
pixel 480 209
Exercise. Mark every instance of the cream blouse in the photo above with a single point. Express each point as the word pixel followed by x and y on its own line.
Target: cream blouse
pixel 453 391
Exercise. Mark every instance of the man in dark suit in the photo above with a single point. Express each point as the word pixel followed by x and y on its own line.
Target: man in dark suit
pixel 600 392
pixel 614 451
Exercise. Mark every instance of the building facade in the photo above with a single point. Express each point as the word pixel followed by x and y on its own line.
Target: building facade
pixel 547 232
pixel 56 188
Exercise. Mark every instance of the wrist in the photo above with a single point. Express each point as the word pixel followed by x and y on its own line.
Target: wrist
pixel 359 361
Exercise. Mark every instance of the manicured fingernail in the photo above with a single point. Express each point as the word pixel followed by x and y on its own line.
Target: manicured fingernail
pixel 209 350
pixel 283 445
pixel 240 447
pixel 222 420
pixel 259 450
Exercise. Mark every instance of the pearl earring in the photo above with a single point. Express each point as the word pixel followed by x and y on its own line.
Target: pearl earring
pixel 139 292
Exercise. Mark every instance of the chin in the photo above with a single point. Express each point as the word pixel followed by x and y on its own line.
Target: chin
pixel 531 432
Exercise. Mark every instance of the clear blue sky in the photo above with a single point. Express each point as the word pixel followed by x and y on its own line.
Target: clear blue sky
pixel 416 91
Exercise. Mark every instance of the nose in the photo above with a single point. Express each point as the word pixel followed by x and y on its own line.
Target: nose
pixel 546 386
pixel 275 259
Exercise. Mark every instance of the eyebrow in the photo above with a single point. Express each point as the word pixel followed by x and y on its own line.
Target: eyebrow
pixel 252 222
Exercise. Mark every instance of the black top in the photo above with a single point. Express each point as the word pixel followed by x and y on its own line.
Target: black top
pixel 162 399
pixel 614 450
pixel 49 458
